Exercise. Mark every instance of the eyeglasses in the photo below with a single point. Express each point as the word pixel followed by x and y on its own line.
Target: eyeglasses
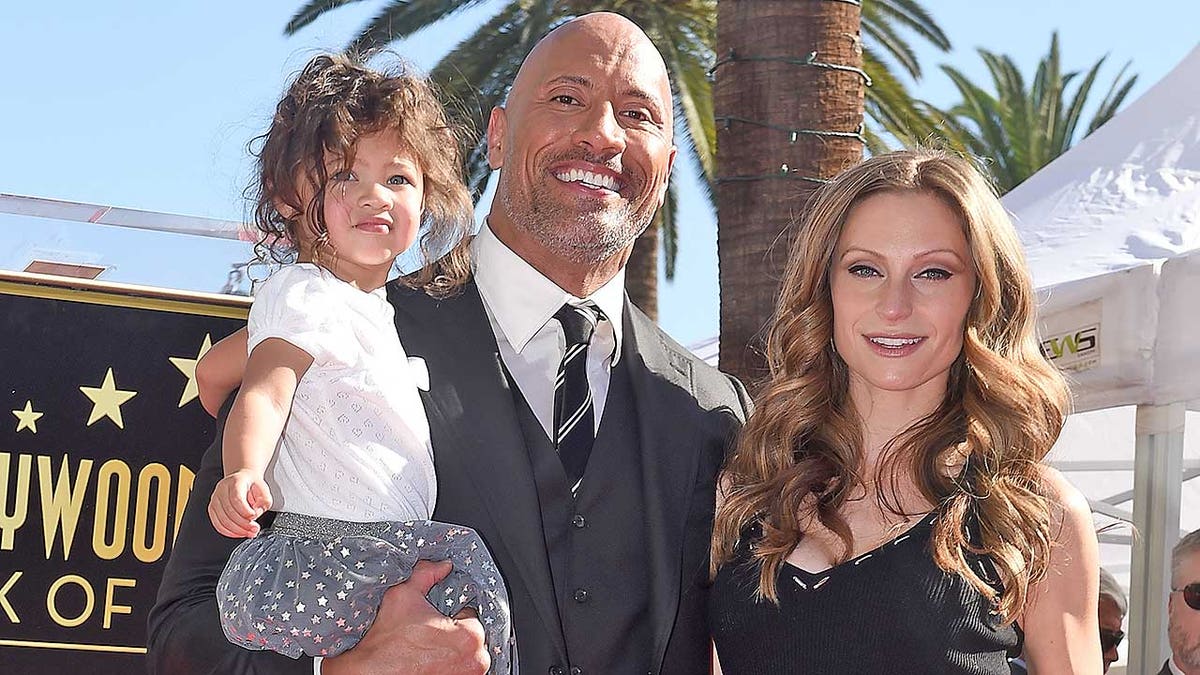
pixel 1191 595
pixel 1110 639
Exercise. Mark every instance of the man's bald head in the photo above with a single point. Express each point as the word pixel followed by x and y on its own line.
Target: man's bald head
pixel 585 149
pixel 603 36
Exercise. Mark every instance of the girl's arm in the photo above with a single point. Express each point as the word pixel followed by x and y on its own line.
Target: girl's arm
pixel 1060 619
pixel 220 370
pixel 252 431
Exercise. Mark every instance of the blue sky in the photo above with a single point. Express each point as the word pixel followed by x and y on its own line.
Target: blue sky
pixel 149 105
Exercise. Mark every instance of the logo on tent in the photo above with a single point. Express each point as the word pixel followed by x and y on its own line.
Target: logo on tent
pixel 1074 350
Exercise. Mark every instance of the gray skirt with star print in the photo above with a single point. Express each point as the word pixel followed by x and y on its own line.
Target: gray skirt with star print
pixel 312 586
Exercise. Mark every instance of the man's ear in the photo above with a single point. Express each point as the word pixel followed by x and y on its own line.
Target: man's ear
pixel 497 126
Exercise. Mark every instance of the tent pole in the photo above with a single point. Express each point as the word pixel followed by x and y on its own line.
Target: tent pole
pixel 1158 468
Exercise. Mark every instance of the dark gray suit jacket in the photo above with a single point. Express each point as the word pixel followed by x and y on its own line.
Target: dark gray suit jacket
pixel 688 415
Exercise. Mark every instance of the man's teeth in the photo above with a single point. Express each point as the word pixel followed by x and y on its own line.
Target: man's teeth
pixel 588 178
pixel 895 343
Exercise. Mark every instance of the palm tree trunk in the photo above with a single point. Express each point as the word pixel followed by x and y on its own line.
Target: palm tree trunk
pixel 641 272
pixel 764 174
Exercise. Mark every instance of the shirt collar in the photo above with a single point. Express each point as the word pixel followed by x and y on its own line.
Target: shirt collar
pixel 377 297
pixel 1174 668
pixel 522 299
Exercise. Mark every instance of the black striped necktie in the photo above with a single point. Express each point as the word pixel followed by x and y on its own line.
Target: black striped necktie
pixel 574 423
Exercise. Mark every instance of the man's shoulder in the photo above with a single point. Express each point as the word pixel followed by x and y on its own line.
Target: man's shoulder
pixel 405 297
pixel 710 386
pixel 400 292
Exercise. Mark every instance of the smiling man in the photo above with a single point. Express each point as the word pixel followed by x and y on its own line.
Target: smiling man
pixel 585 147
pixel 572 434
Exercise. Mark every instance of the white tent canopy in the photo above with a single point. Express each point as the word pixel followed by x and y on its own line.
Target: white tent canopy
pixel 1112 233
pixel 1128 196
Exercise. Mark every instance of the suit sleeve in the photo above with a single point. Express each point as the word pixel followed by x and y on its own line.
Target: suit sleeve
pixel 184 632
pixel 744 399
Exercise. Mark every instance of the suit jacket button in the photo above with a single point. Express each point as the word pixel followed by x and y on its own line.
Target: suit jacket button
pixel 558 670
pixel 581 595
pixel 576 670
pixel 579 521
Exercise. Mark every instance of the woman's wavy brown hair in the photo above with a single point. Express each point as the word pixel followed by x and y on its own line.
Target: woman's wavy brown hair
pixel 799 454
pixel 332 103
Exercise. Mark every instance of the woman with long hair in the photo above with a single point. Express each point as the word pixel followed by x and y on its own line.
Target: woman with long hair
pixel 887 509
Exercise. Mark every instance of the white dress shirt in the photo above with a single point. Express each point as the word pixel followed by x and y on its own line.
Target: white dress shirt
pixel 520 304
pixel 1174 668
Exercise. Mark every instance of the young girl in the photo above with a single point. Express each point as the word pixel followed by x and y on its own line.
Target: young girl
pixel 328 429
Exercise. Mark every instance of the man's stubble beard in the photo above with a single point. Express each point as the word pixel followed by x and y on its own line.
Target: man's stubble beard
pixel 1185 647
pixel 587 236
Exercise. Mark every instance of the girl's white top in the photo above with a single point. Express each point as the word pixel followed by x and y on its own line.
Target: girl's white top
pixel 356 446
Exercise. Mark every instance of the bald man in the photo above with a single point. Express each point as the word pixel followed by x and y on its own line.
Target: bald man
pixel 602 538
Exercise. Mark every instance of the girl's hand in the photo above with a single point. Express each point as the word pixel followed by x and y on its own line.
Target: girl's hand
pixel 239 499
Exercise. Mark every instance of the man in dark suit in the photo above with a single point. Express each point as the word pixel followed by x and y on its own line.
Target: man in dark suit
pixel 1183 608
pixel 602 537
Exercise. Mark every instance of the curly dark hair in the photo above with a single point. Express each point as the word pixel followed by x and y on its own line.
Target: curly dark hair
pixel 332 103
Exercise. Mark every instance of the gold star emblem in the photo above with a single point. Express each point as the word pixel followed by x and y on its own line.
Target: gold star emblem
pixel 27 418
pixel 188 368
pixel 107 400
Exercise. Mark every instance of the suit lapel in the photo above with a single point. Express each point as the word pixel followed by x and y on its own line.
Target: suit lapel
pixel 475 431
pixel 661 377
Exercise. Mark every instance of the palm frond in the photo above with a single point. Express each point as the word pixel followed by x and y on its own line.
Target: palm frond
pixel 1064 131
pixel 909 14
pixel 882 21
pixel 687 61
pixel 668 230
pixel 887 37
pixel 890 106
pixel 984 112
pixel 1019 129
pixel 311 12
pixel 478 72
pixel 402 18
pixel 1112 100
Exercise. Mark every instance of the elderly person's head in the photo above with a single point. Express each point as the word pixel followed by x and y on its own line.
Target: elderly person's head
pixel 1114 605
pixel 1183 608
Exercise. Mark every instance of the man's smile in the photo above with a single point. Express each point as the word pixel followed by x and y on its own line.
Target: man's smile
pixel 590 176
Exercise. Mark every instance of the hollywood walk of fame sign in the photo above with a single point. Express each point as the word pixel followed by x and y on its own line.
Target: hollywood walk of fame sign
pixel 101 431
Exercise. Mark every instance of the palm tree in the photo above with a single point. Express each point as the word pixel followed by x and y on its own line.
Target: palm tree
pixel 1018 130
pixel 479 70
pixel 794 125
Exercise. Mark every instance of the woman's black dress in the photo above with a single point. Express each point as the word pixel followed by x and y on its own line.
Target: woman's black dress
pixel 890 610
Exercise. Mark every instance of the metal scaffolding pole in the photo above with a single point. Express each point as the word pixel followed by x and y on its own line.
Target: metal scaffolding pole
pixel 1157 487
